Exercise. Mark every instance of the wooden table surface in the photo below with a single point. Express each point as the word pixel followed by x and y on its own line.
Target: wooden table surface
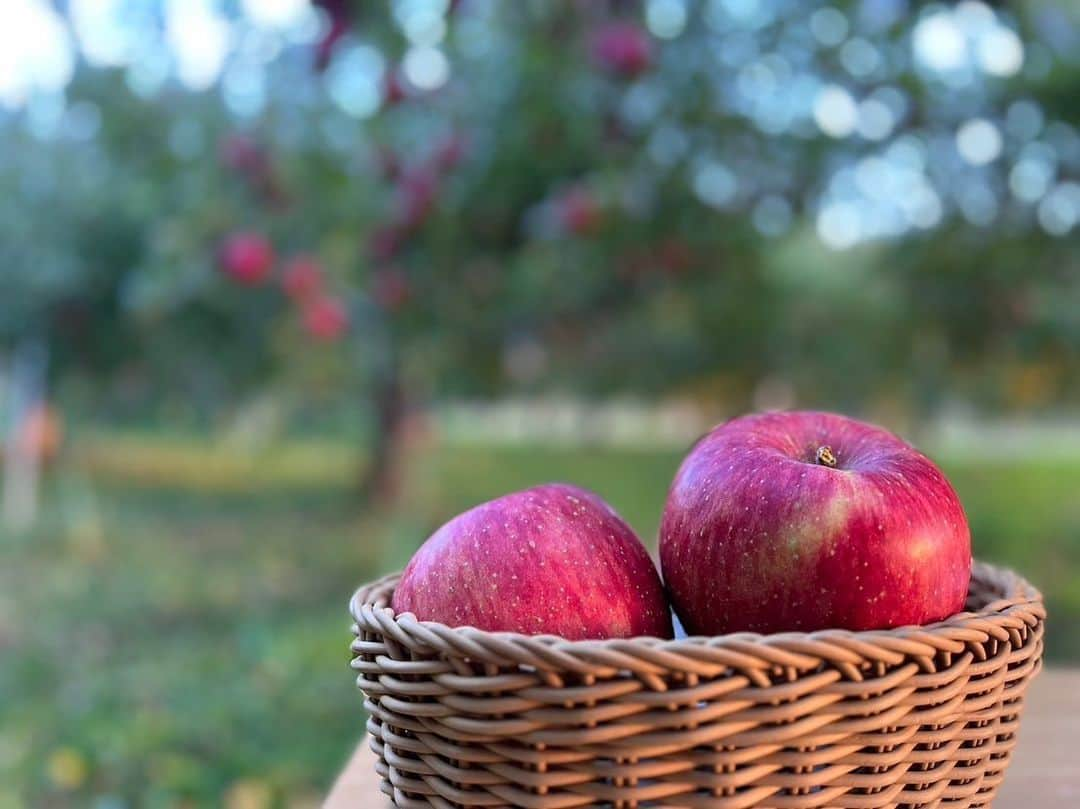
pixel 1044 773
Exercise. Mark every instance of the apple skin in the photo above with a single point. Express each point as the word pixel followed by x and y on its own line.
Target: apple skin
pixel 758 535
pixel 551 560
pixel 579 212
pixel 247 258
pixel 326 318
pixel 623 49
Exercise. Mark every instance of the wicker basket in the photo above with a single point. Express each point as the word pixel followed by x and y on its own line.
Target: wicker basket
pixel 912 717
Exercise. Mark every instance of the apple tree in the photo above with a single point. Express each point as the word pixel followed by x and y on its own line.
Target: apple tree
pixel 753 202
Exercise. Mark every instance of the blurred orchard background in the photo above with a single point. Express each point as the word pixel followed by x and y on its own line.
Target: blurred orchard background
pixel 284 285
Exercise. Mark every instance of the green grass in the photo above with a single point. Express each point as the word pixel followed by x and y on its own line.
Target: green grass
pixel 174 632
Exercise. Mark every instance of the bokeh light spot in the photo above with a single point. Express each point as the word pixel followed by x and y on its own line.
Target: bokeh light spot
pixel 1001 53
pixel 772 215
pixel 1030 179
pixel 354 80
pixel 199 38
pixel 922 206
pixel 939 42
pixel 829 26
pixel 876 120
pixel 1059 211
pixel 978 141
pixel 35 51
pixel 839 225
pixel 859 57
pixel 666 19
pixel 426 68
pixel 835 111
pixel 1024 119
pixel 715 184
pixel 276 13
pixel 103 38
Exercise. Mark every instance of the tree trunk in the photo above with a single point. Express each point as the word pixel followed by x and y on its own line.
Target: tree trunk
pixel 380 477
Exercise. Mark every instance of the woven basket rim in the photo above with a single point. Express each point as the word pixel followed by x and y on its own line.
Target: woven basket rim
pixel 1020 604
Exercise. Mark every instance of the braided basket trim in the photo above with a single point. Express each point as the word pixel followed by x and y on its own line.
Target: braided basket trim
pixel 1002 607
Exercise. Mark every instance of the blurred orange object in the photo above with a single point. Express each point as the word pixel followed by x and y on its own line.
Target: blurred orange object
pixel 42 432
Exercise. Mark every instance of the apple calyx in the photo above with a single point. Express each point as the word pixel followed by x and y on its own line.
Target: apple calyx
pixel 825 456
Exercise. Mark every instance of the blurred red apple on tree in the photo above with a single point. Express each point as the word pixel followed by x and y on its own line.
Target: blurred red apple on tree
pixel 805 520
pixel 579 212
pixel 622 48
pixel 325 318
pixel 554 559
pixel 302 277
pixel 247 258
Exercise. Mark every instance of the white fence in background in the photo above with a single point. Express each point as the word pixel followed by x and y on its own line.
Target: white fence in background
pixel 1048 438
pixel 570 422
pixel 632 423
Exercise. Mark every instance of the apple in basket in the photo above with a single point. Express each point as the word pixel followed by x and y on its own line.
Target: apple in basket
pixel 806 520
pixel 553 559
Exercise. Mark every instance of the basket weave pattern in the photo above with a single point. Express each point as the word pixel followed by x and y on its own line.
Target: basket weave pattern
pixel 913 717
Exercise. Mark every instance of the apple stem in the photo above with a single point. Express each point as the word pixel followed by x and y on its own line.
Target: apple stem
pixel 825 456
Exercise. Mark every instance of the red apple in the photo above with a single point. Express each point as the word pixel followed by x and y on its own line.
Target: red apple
pixel 579 212
pixel 803 521
pixel 622 48
pixel 247 258
pixel 554 559
pixel 325 318
pixel 302 277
